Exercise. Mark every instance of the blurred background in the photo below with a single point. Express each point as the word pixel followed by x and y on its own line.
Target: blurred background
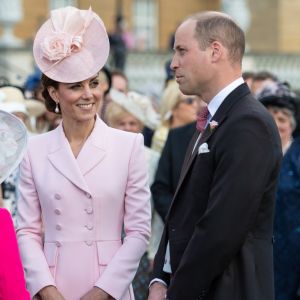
pixel 147 27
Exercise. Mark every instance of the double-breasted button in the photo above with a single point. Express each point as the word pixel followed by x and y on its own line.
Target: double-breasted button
pixel 57 211
pixel 57 196
pixel 89 243
pixel 89 226
pixel 58 227
pixel 58 244
pixel 89 210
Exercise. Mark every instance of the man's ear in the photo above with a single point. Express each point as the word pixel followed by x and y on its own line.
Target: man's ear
pixel 217 50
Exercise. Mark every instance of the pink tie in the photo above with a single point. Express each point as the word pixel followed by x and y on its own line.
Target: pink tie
pixel 202 119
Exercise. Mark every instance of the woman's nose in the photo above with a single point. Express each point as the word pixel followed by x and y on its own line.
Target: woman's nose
pixel 87 93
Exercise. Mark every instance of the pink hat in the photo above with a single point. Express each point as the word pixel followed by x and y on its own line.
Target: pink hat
pixel 72 45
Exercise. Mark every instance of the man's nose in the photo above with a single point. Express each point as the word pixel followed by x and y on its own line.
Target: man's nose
pixel 174 63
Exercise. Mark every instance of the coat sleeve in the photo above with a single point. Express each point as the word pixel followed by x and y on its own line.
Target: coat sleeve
pixel 12 281
pixel 247 159
pixel 137 226
pixel 30 232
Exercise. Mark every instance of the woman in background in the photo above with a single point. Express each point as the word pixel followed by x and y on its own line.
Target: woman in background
pixel 281 102
pixel 175 110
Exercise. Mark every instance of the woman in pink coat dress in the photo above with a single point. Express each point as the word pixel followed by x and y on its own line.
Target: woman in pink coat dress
pixel 13 139
pixel 84 182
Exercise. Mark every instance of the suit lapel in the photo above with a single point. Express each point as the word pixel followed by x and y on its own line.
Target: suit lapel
pixel 220 116
pixel 62 158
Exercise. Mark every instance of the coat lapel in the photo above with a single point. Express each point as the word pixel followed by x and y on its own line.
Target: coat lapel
pixel 93 152
pixel 62 158
pixel 220 116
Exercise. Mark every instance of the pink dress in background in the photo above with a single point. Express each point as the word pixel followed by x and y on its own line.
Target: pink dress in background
pixel 12 281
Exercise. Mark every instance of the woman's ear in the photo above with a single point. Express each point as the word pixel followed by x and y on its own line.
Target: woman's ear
pixel 52 93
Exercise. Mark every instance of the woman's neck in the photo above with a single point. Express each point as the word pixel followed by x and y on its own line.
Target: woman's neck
pixel 77 134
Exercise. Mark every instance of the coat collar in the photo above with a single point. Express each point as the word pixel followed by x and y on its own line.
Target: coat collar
pixel 220 116
pixel 91 154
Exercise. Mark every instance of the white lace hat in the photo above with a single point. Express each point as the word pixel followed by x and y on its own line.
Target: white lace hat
pixel 13 141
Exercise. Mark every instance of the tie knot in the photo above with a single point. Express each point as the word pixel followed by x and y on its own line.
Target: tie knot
pixel 202 119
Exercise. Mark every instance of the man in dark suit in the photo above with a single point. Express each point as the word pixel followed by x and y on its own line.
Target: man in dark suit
pixel 217 242
pixel 169 167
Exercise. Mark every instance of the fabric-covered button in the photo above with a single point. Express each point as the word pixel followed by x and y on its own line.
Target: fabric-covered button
pixel 89 210
pixel 58 227
pixel 57 196
pixel 58 244
pixel 89 243
pixel 57 211
pixel 89 226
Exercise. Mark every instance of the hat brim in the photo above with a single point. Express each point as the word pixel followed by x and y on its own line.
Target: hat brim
pixel 79 65
pixel 284 102
pixel 13 141
pixel 35 108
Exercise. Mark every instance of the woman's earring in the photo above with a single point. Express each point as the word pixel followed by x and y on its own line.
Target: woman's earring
pixel 56 108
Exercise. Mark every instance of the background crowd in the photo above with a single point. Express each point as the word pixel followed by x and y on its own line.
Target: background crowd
pixel 167 129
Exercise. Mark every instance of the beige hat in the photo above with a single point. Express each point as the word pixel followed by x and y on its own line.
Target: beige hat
pixel 138 105
pixel 13 140
pixel 12 100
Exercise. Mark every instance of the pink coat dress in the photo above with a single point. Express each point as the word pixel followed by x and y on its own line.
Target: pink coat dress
pixel 72 212
pixel 12 281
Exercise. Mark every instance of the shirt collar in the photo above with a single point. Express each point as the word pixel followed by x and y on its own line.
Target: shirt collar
pixel 217 100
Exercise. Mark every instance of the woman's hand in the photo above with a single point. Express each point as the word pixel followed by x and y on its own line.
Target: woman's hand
pixel 50 293
pixel 96 294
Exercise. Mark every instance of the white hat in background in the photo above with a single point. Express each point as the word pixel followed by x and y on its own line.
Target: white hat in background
pixel 12 100
pixel 138 105
pixel 13 140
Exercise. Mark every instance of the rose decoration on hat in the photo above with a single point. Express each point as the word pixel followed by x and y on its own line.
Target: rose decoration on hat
pixel 68 39
pixel 57 46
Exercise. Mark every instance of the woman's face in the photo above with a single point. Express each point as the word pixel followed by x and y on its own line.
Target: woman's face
pixel 79 101
pixel 129 123
pixel 283 122
pixel 186 109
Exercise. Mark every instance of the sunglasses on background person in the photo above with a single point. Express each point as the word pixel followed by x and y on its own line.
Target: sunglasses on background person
pixel 188 100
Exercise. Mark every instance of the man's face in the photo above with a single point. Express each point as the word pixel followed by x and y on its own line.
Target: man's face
pixel 190 63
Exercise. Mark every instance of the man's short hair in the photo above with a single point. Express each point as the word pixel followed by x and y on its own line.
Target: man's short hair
pixel 215 26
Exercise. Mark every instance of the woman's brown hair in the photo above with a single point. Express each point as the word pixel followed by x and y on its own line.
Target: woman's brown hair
pixel 47 82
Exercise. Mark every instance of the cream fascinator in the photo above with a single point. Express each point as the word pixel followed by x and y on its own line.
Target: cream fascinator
pixel 13 140
pixel 138 105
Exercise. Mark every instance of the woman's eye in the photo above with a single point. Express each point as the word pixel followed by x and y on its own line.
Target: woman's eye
pixel 75 86
pixel 95 83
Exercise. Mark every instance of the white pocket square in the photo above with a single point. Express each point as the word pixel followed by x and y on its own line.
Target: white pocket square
pixel 203 148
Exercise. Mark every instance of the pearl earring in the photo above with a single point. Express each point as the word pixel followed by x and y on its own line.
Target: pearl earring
pixel 56 108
